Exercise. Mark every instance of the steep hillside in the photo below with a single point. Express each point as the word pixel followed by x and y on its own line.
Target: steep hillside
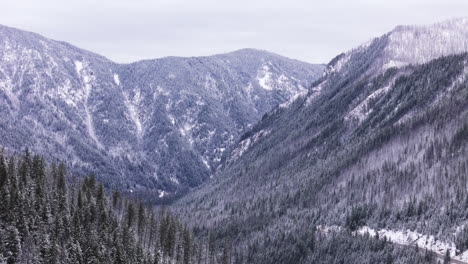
pixel 379 141
pixel 158 125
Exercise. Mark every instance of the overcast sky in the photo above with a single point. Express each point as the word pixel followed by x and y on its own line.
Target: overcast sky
pixel 309 30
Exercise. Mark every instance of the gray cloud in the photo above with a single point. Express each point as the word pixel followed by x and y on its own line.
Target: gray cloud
pixel 129 30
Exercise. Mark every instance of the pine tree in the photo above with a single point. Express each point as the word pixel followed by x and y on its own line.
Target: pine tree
pixel 12 245
pixel 3 171
pixel 212 248
pixel 141 220
pixel 447 258
pixel 5 195
pixel 130 215
pixel 170 237
pixel 225 257
pixel 187 243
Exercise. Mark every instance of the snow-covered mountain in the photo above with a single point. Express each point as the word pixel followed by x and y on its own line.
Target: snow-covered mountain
pixel 380 140
pixel 406 45
pixel 403 46
pixel 150 125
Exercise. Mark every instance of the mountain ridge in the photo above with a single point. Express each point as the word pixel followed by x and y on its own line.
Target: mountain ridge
pixel 365 146
pixel 158 125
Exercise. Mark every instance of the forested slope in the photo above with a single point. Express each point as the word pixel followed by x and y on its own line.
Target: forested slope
pixel 154 126
pixel 369 145
pixel 44 219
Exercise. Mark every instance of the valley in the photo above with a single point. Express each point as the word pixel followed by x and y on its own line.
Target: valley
pixel 158 125
pixel 259 158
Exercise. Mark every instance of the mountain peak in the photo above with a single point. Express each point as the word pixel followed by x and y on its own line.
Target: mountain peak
pixel 420 44
pixel 449 24
pixel 407 44
pixel 172 118
pixel 249 50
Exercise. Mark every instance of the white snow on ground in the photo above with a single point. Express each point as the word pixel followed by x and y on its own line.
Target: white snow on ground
pixel 292 99
pixel 462 257
pixel 361 111
pixel 408 237
pixel 78 67
pixel 219 153
pixel 393 64
pixel 87 80
pixel 116 79
pixel 405 238
pixel 122 150
pixel 174 180
pixel 133 111
pixel 315 91
pixel 186 128
pixel 283 79
pixel 328 229
pixel 411 238
pixel 7 87
pixel 246 143
pixel 162 194
pixel 206 163
pixel 340 63
pixel 171 118
pixel 264 77
pixel 67 94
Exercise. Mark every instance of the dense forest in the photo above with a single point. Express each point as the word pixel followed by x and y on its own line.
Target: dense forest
pixel 46 217
pixel 385 151
pixel 49 217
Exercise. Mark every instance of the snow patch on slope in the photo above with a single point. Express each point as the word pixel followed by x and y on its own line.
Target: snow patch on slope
pixel 246 143
pixel 7 87
pixel 411 238
pixel 361 111
pixel 87 80
pixel 315 91
pixel 206 163
pixel 340 63
pixel 264 77
pixel 185 130
pixel 78 67
pixel 116 79
pixel 293 98
pixel 162 194
pixel 133 111
pixel 405 238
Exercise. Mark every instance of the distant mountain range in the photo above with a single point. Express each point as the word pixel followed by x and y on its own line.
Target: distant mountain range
pixel 158 125
pixel 379 141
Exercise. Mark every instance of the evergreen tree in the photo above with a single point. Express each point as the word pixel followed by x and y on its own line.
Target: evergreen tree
pixel 11 245
pixel 212 248
pixel 447 258
pixel 141 220
pixel 3 171
pixel 130 215
pixel 187 243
